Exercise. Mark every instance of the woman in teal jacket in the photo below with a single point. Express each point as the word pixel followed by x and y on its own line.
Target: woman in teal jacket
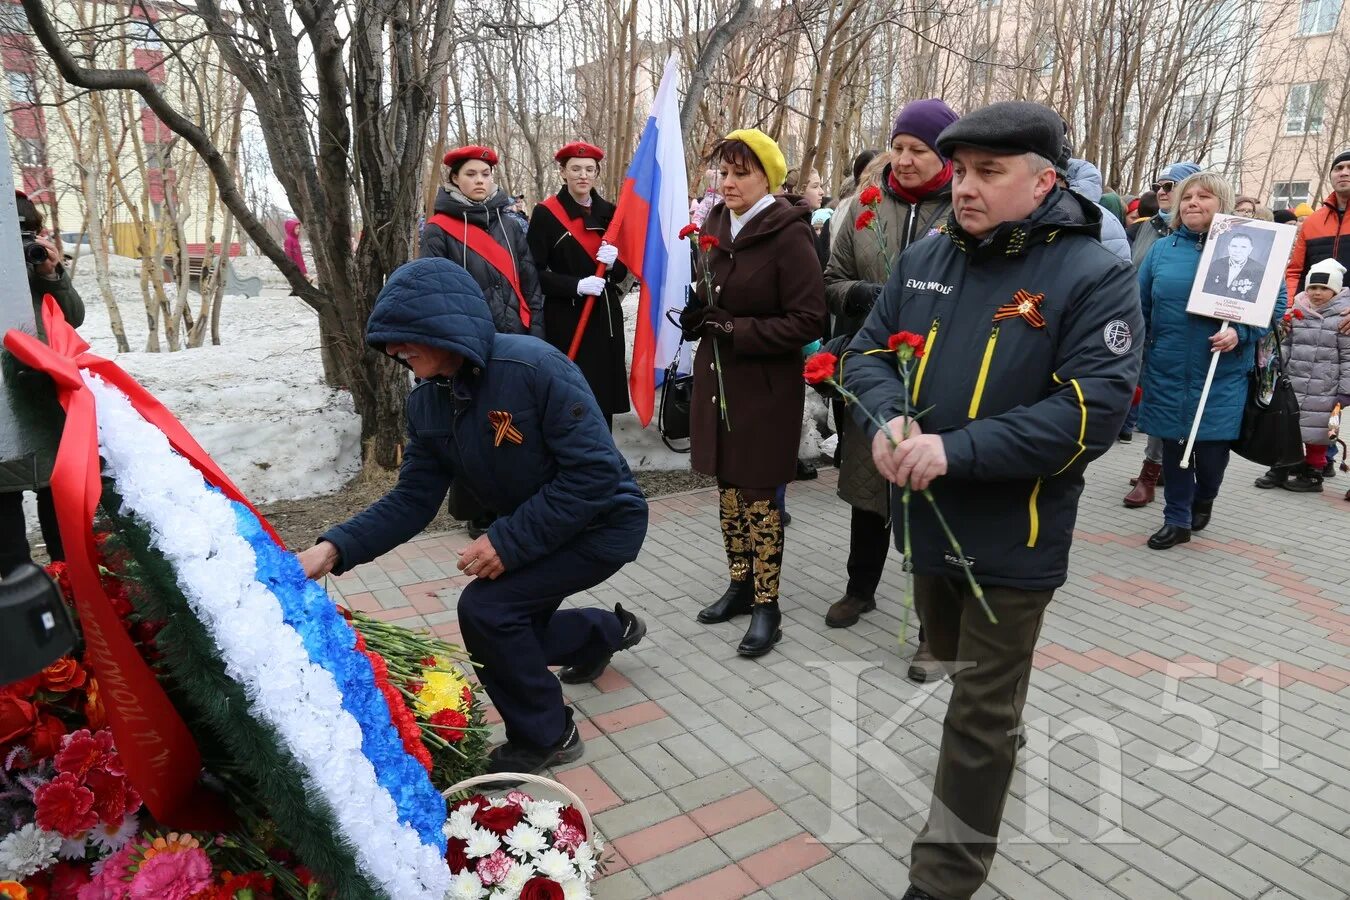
pixel 1177 358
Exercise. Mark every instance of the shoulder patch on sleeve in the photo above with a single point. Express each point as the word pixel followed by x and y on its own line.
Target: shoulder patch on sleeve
pixel 1118 337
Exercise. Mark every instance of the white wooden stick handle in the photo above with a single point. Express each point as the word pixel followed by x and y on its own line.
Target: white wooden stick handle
pixel 1204 397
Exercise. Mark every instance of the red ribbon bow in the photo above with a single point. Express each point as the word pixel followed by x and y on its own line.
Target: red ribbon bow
pixel 157 749
pixel 1024 305
pixel 504 430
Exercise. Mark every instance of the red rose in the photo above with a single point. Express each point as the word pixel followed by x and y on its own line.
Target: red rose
pixel 687 230
pixel 25 689
pixel 707 242
pixel 455 857
pixel 114 796
pixel 870 196
pixel 65 806
pixel 94 712
pixel 820 367
pixel 450 724
pixel 865 218
pixel 540 888
pixel 45 739
pixel 63 675
pixel 570 815
pixel 17 717
pixel 474 798
pixel 499 819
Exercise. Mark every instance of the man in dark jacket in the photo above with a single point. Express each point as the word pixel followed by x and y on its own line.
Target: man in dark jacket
pixel 1032 352
pixel 46 277
pixel 566 240
pixel 514 419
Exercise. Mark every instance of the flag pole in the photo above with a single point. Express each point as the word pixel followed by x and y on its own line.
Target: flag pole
pixel 590 300
pixel 1200 409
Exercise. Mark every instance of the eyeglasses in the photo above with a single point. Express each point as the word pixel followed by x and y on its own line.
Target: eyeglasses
pixel 1163 187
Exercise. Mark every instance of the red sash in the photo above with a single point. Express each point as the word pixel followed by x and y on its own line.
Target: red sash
pixel 589 240
pixel 479 241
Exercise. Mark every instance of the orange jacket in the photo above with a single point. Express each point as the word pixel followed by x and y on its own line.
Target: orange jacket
pixel 1323 235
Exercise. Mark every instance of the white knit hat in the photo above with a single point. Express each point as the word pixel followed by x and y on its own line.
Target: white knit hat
pixel 1328 273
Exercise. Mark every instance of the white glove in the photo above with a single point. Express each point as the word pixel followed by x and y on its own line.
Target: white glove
pixel 591 285
pixel 607 254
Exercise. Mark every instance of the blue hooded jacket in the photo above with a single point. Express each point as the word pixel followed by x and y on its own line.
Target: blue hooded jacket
pixel 1176 351
pixel 563 483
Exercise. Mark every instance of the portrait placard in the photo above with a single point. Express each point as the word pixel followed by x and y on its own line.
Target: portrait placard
pixel 1241 270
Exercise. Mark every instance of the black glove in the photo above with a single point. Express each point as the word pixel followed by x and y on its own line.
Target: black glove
pixel 691 321
pixel 860 298
pixel 717 321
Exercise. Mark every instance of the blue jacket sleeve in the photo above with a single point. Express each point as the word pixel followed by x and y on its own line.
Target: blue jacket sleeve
pixel 589 470
pixel 1080 417
pixel 399 515
pixel 1146 292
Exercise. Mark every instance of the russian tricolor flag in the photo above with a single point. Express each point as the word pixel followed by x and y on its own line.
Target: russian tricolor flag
pixel 653 206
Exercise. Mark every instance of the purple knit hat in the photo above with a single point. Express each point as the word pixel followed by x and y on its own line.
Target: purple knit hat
pixel 924 119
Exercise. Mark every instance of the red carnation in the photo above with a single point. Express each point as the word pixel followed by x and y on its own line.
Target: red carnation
pixel 707 242
pixel 1298 313
pixel 466 694
pixel 65 806
pixel 84 750
pixel 499 819
pixel 820 367
pixel 67 879
pixel 114 797
pixel 455 855
pixel 865 219
pixel 450 724
pixel 570 815
pixel 540 888
pixel 906 339
pixel 870 196
pixel 687 230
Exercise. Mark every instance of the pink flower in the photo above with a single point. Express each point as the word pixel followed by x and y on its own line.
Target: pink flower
pixel 568 837
pixel 109 876
pixel 520 798
pixel 494 869
pixel 172 876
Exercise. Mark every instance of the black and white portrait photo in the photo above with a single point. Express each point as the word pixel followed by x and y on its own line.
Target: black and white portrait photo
pixel 1239 264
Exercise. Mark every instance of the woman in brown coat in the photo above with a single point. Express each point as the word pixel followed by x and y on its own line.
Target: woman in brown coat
pixel 767 301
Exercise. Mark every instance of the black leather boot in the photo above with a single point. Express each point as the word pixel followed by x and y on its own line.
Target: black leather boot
pixel 735 602
pixel 764 630
pixel 1201 510
pixel 1168 536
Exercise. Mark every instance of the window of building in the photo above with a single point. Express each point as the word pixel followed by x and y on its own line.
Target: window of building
pixel 1288 194
pixel 1318 16
pixel 1194 115
pixel 143 34
pixel 29 152
pixel 1303 110
pixel 22 88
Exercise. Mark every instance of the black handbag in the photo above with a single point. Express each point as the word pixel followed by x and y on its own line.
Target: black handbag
pixel 677 397
pixel 1270 433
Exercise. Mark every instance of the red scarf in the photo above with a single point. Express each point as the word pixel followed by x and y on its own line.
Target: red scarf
pixel 923 191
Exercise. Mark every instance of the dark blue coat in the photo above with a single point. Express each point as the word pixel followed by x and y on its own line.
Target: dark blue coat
pixel 1176 354
pixel 564 484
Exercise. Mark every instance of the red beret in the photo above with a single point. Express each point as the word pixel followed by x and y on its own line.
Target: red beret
pixel 579 150
pixel 473 151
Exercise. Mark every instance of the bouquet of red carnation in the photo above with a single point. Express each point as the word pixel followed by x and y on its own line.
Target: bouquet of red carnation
pixel 516 846
pixel 870 198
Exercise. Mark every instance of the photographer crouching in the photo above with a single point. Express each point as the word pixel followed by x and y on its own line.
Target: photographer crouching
pixel 46 275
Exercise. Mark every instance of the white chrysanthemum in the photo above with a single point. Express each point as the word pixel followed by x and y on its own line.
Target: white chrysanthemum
pixel 27 851
pixel 460 824
pixel 510 887
pixel 74 847
pixel 544 814
pixel 585 859
pixel 465 886
pixel 575 889
pixel 113 839
pixel 481 842
pixel 525 840
pixel 555 864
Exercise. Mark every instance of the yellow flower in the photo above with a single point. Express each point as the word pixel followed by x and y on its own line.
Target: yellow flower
pixel 441 690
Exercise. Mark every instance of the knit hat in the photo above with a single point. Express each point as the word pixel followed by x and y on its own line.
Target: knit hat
pixel 1303 209
pixel 766 151
pixel 1343 156
pixel 1178 172
pixel 924 119
pixel 1328 273
pixel 1007 128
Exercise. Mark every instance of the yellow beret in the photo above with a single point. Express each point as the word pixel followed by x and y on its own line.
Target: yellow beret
pixel 1302 210
pixel 766 151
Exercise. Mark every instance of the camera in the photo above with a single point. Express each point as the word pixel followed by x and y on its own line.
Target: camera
pixel 33 253
pixel 35 627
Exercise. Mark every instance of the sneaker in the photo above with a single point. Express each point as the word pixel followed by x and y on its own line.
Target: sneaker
pixel 528 760
pixel 634 630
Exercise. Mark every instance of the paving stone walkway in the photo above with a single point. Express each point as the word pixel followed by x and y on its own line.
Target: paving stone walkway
pixel 1189 719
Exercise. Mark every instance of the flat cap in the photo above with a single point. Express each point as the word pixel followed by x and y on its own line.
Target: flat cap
pixel 1007 128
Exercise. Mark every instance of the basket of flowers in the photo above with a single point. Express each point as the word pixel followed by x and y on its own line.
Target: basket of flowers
pixel 517 846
